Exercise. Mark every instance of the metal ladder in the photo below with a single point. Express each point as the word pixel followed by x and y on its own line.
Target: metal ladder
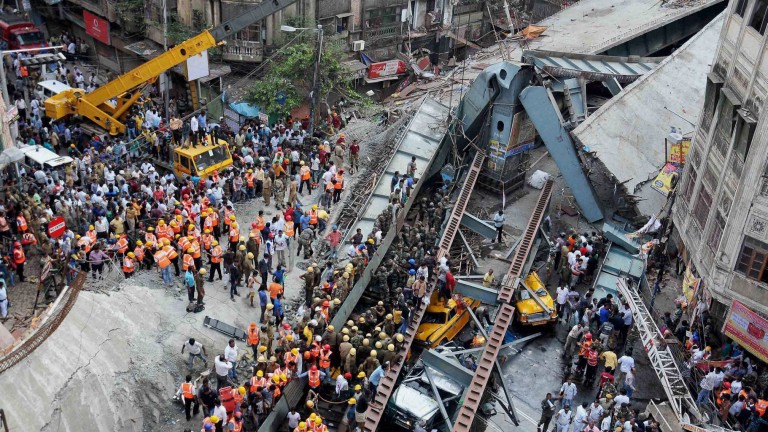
pixel 680 399
pixel 474 393
pixel 387 384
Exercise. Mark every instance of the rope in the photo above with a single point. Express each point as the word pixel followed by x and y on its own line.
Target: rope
pixel 331 402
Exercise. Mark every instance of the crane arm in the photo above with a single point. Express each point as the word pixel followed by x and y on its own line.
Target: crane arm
pixel 76 101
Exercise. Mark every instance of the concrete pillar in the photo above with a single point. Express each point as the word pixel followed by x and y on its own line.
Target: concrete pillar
pixel 270 26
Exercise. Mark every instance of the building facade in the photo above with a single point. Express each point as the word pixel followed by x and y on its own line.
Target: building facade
pixel 721 208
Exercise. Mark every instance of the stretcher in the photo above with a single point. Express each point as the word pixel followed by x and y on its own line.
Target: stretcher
pixel 225 329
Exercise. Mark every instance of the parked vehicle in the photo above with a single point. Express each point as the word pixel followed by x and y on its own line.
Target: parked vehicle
pixel 18 32
pixel 443 320
pixel 530 310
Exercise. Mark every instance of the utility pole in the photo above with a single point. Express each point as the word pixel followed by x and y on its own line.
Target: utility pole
pixel 166 90
pixel 315 81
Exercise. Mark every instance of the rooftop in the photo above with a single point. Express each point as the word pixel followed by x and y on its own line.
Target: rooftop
pixel 627 133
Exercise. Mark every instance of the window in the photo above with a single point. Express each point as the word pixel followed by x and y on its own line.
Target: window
pixel 711 99
pixel 725 122
pixel 744 131
pixel 741 7
pixel 703 206
pixel 688 191
pixel 759 16
pixel 753 259
pixel 717 232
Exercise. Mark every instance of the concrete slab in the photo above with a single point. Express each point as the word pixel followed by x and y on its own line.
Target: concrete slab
pixel 627 133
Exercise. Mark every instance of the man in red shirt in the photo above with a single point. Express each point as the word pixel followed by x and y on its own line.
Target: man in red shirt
pixel 354 151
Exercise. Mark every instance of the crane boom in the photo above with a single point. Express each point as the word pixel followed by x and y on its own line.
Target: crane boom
pixel 92 105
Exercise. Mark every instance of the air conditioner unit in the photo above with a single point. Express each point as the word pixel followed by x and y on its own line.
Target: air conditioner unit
pixel 358 45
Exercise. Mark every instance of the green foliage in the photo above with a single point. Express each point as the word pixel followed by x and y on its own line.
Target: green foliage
pixel 131 15
pixel 178 32
pixel 291 72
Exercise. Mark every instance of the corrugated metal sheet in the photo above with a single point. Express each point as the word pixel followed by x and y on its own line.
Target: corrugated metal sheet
pixel 591 67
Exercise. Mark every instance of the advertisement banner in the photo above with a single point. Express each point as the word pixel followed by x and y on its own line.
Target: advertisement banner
pixel 690 285
pixel 387 68
pixel 678 152
pixel 747 328
pixel 97 27
pixel 663 182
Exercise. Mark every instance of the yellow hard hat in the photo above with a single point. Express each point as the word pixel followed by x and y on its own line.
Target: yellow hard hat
pixel 250 255
pixel 260 374
pixel 295 351
pixel 161 222
pixel 150 229
pixel 311 404
pixel 190 226
pixel 250 170
pixel 215 419
pixel 399 337
pixel 289 338
pixel 232 217
pixel 389 316
pixel 139 242
pixel 262 349
pixel 242 248
pixel 190 237
pixel 203 271
pixel 303 426
pixel 373 352
pixel 241 390
pixel 207 231
pixel 276 378
pixel 90 227
pixel 173 223
pixel 234 224
pixel 252 235
pixel 149 244
pixel 352 401
pixel 270 306
pixel 345 275
pixel 130 254
pixel 314 206
pixel 191 250
pixel 242 238
pixel 361 375
pixel 357 387
pixel 318 420
pixel 390 347
pixel 166 241
pixel 301 162
pixel 310 270
pixel 283 377
pixel 215 243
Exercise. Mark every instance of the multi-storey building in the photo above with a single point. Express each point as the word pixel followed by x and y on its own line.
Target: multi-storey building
pixel 721 209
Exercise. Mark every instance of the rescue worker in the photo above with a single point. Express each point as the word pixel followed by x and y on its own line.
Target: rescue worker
pixel 216 258
pixel 19 258
pixel 128 265
pixel 200 285
pixel 188 394
pixel 315 376
pixel 253 339
pixel 188 263
pixel 324 357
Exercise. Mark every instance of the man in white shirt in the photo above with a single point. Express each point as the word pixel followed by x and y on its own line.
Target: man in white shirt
pixel 626 363
pixel 220 411
pixel 193 127
pixel 563 419
pixel 3 300
pixel 222 367
pixel 568 391
pixel 188 393
pixel 580 417
pixel 562 298
pixel 595 412
pixel 230 353
pixel 195 349
pixel 622 398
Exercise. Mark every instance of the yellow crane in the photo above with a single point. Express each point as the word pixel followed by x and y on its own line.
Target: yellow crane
pixel 127 87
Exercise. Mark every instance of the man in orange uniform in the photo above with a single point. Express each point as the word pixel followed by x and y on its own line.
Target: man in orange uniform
pixel 338 186
pixel 187 261
pixel 122 245
pixel 19 259
pixel 216 258
pixel 173 256
pixel 314 377
pixel 128 265
pixel 164 263
pixel 325 362
pixel 234 235
pixel 253 339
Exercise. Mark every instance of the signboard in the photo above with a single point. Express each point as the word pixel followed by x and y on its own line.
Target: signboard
pixel 56 227
pixel 387 68
pixel 690 285
pixel 197 66
pixel 747 328
pixel 46 270
pixel 97 27
pixel 678 152
pixel 663 182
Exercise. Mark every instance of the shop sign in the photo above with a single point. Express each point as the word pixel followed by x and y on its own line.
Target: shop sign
pixel 748 328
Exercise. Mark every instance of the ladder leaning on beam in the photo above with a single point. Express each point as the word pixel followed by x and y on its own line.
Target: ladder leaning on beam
pixel 474 393
pixel 387 384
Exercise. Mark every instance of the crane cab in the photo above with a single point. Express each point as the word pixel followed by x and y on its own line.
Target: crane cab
pixel 203 160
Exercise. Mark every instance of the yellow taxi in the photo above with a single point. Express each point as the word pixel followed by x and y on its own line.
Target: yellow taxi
pixel 443 320
pixel 528 309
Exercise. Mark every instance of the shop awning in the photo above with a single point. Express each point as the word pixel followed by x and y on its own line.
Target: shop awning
pixel 146 48
pixel 381 79
pixel 355 67
pixel 344 15
pixel 11 155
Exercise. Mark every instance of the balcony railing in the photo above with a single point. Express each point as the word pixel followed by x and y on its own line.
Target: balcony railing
pixel 467 8
pixel 242 50
pixel 382 32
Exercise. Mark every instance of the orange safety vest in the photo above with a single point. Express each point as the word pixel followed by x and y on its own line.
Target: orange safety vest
pixel 139 252
pixel 237 427
pixel 21 223
pixel 90 233
pixel 237 396
pixel 186 390
pixel 183 244
pixel 122 245
pixel 276 394
pixel 305 172
pixel 150 238
pixel 260 224
pixel 325 359
pixel 257 382
pixel 128 265
pixel 188 262
pixel 227 214
pixel 207 241
pixel 313 217
pixel 215 216
pixel 176 229
pixel 339 181
pixel 288 228
pixel 85 242
pixel 208 224
pixel 196 247
pixel 249 179
pixel 161 258
pixel 171 251
pixel 18 256
pixel 761 406
pixel 216 255
pixel 314 379
pixel 289 357
pixel 253 337
pixel 234 235
pixel 164 232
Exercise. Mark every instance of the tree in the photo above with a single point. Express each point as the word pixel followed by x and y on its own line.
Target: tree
pixel 289 79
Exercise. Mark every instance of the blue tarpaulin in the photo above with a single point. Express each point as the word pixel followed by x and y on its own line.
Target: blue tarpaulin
pixel 245 109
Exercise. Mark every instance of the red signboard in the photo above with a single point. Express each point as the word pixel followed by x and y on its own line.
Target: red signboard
pixel 56 227
pixel 97 27
pixel 387 68
pixel 748 329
